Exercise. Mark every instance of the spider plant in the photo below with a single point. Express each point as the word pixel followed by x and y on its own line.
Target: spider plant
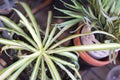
pixel 43 49
pixel 100 14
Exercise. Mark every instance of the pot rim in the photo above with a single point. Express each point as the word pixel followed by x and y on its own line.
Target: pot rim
pixel 86 57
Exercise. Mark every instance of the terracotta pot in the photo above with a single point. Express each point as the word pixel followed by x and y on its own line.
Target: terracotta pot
pixel 88 58
pixel 114 74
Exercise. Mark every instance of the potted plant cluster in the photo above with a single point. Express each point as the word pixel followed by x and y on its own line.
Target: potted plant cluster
pixel 41 51
pixel 97 15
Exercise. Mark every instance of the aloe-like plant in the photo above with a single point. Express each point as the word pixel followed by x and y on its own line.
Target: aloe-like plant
pixel 43 49
pixel 39 49
pixel 100 14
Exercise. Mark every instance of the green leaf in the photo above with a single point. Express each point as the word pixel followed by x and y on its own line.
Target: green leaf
pixel 30 28
pixel 62 61
pixel 17 73
pixel 67 71
pixel 43 72
pixel 35 54
pixel 69 6
pixel 70 55
pixel 32 18
pixel 117 6
pixel 105 2
pixel 68 23
pixel 76 3
pixel 113 7
pixel 50 38
pixel 68 38
pixel 91 13
pixel 21 34
pixel 13 47
pixel 87 48
pixel 52 68
pixel 78 35
pixel 109 4
pixel 63 17
pixel 77 73
pixel 13 68
pixel 70 13
pixel 9 42
pixel 36 69
pixel 17 43
pixel 48 27
pixel 64 29
pixel 11 24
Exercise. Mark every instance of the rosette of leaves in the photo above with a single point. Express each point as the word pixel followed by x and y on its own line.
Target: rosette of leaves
pixel 39 49
pixel 42 49
pixel 100 14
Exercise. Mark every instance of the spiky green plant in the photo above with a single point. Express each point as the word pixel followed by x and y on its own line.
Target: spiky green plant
pixel 38 47
pixel 42 48
pixel 100 14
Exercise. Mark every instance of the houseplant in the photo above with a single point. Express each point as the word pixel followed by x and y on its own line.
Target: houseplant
pixel 98 15
pixel 42 50
pixel 35 47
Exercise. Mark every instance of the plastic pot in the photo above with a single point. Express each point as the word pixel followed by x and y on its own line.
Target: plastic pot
pixel 114 74
pixel 6 10
pixel 6 6
pixel 92 58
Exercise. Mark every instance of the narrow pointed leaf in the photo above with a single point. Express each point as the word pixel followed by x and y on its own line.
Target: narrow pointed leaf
pixel 36 69
pixel 21 34
pixel 48 26
pixel 70 13
pixel 11 24
pixel 52 68
pixel 87 48
pixel 32 18
pixel 17 73
pixel 43 72
pixel 62 61
pixel 12 68
pixel 30 28
pixel 50 38
pixel 70 55
pixel 67 71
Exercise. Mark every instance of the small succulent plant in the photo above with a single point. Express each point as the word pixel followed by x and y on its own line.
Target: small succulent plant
pixel 102 15
pixel 99 14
